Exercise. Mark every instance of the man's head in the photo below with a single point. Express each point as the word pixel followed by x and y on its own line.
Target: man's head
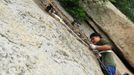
pixel 95 37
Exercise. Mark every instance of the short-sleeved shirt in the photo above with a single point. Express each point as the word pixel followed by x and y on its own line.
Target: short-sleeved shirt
pixel 107 57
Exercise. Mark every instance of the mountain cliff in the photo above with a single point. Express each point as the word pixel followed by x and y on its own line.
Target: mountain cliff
pixel 35 42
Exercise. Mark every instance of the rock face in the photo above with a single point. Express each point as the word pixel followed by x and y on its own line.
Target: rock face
pixel 115 24
pixel 34 43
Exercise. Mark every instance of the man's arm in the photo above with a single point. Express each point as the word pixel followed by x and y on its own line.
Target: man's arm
pixel 104 47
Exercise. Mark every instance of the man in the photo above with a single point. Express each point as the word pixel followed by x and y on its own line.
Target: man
pixel 105 49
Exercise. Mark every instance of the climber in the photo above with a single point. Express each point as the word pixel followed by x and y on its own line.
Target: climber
pixel 49 8
pixel 105 49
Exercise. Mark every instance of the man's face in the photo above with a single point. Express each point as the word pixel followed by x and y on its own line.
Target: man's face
pixel 95 39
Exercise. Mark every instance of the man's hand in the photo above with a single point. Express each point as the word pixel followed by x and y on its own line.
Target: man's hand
pixel 93 46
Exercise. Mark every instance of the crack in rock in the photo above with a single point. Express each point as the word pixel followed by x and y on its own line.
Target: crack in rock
pixel 2 35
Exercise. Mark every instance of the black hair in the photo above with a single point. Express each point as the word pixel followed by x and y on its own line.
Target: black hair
pixel 95 34
pixel 125 74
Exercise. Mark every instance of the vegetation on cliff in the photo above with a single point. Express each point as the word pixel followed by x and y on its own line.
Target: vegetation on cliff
pixel 73 8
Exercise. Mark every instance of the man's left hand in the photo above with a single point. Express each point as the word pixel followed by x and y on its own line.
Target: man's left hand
pixel 93 46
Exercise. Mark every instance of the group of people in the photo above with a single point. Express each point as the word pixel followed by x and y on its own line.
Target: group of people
pixel 104 51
